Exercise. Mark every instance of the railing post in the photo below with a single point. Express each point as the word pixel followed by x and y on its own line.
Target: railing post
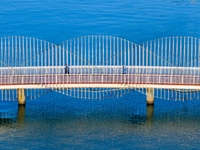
pixel 159 79
pixel 22 79
pixel 45 79
pixel 33 78
pixel 194 79
pixel 171 79
pixel 10 79
pixel 182 79
pixel 56 78
pixel 124 78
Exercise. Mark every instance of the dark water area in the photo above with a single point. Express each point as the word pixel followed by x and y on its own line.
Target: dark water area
pixel 56 121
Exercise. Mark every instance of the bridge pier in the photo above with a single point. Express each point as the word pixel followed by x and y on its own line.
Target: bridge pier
pixel 150 96
pixel 21 96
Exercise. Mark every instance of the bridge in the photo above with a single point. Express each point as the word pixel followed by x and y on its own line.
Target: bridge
pixel 99 66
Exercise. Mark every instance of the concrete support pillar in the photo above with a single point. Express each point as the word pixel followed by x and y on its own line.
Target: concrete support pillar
pixel 21 96
pixel 150 96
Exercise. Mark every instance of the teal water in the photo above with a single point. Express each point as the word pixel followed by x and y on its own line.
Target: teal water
pixel 55 121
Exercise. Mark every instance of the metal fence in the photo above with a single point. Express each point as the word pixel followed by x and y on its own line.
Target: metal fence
pixel 175 57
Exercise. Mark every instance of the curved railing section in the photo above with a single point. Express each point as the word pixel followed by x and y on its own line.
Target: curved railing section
pixel 98 66
pixel 18 56
pixel 181 53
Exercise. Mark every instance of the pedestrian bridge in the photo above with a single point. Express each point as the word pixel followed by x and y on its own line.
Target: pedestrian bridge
pixel 100 77
pixel 100 67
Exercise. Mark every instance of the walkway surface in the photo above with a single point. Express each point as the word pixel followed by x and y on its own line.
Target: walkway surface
pixel 100 80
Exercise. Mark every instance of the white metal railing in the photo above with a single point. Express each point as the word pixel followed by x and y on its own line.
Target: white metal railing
pixel 100 79
pixel 168 60
pixel 100 70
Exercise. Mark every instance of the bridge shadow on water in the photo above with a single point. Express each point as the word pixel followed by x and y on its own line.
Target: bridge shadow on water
pixel 14 118
pixel 124 110
pixel 59 120
pixel 144 119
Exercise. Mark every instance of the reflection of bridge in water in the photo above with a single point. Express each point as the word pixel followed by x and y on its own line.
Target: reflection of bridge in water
pixel 100 66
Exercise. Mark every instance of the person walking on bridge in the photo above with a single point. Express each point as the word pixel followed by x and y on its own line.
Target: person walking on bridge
pixel 66 69
pixel 124 70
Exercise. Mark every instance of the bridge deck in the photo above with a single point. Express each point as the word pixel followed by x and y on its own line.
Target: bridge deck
pixel 97 80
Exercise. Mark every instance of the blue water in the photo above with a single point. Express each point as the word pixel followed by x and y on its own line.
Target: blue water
pixel 55 121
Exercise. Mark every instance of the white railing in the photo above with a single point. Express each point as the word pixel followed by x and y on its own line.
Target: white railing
pixel 141 79
pixel 100 70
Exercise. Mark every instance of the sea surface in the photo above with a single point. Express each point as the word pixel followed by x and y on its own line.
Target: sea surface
pixel 56 121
